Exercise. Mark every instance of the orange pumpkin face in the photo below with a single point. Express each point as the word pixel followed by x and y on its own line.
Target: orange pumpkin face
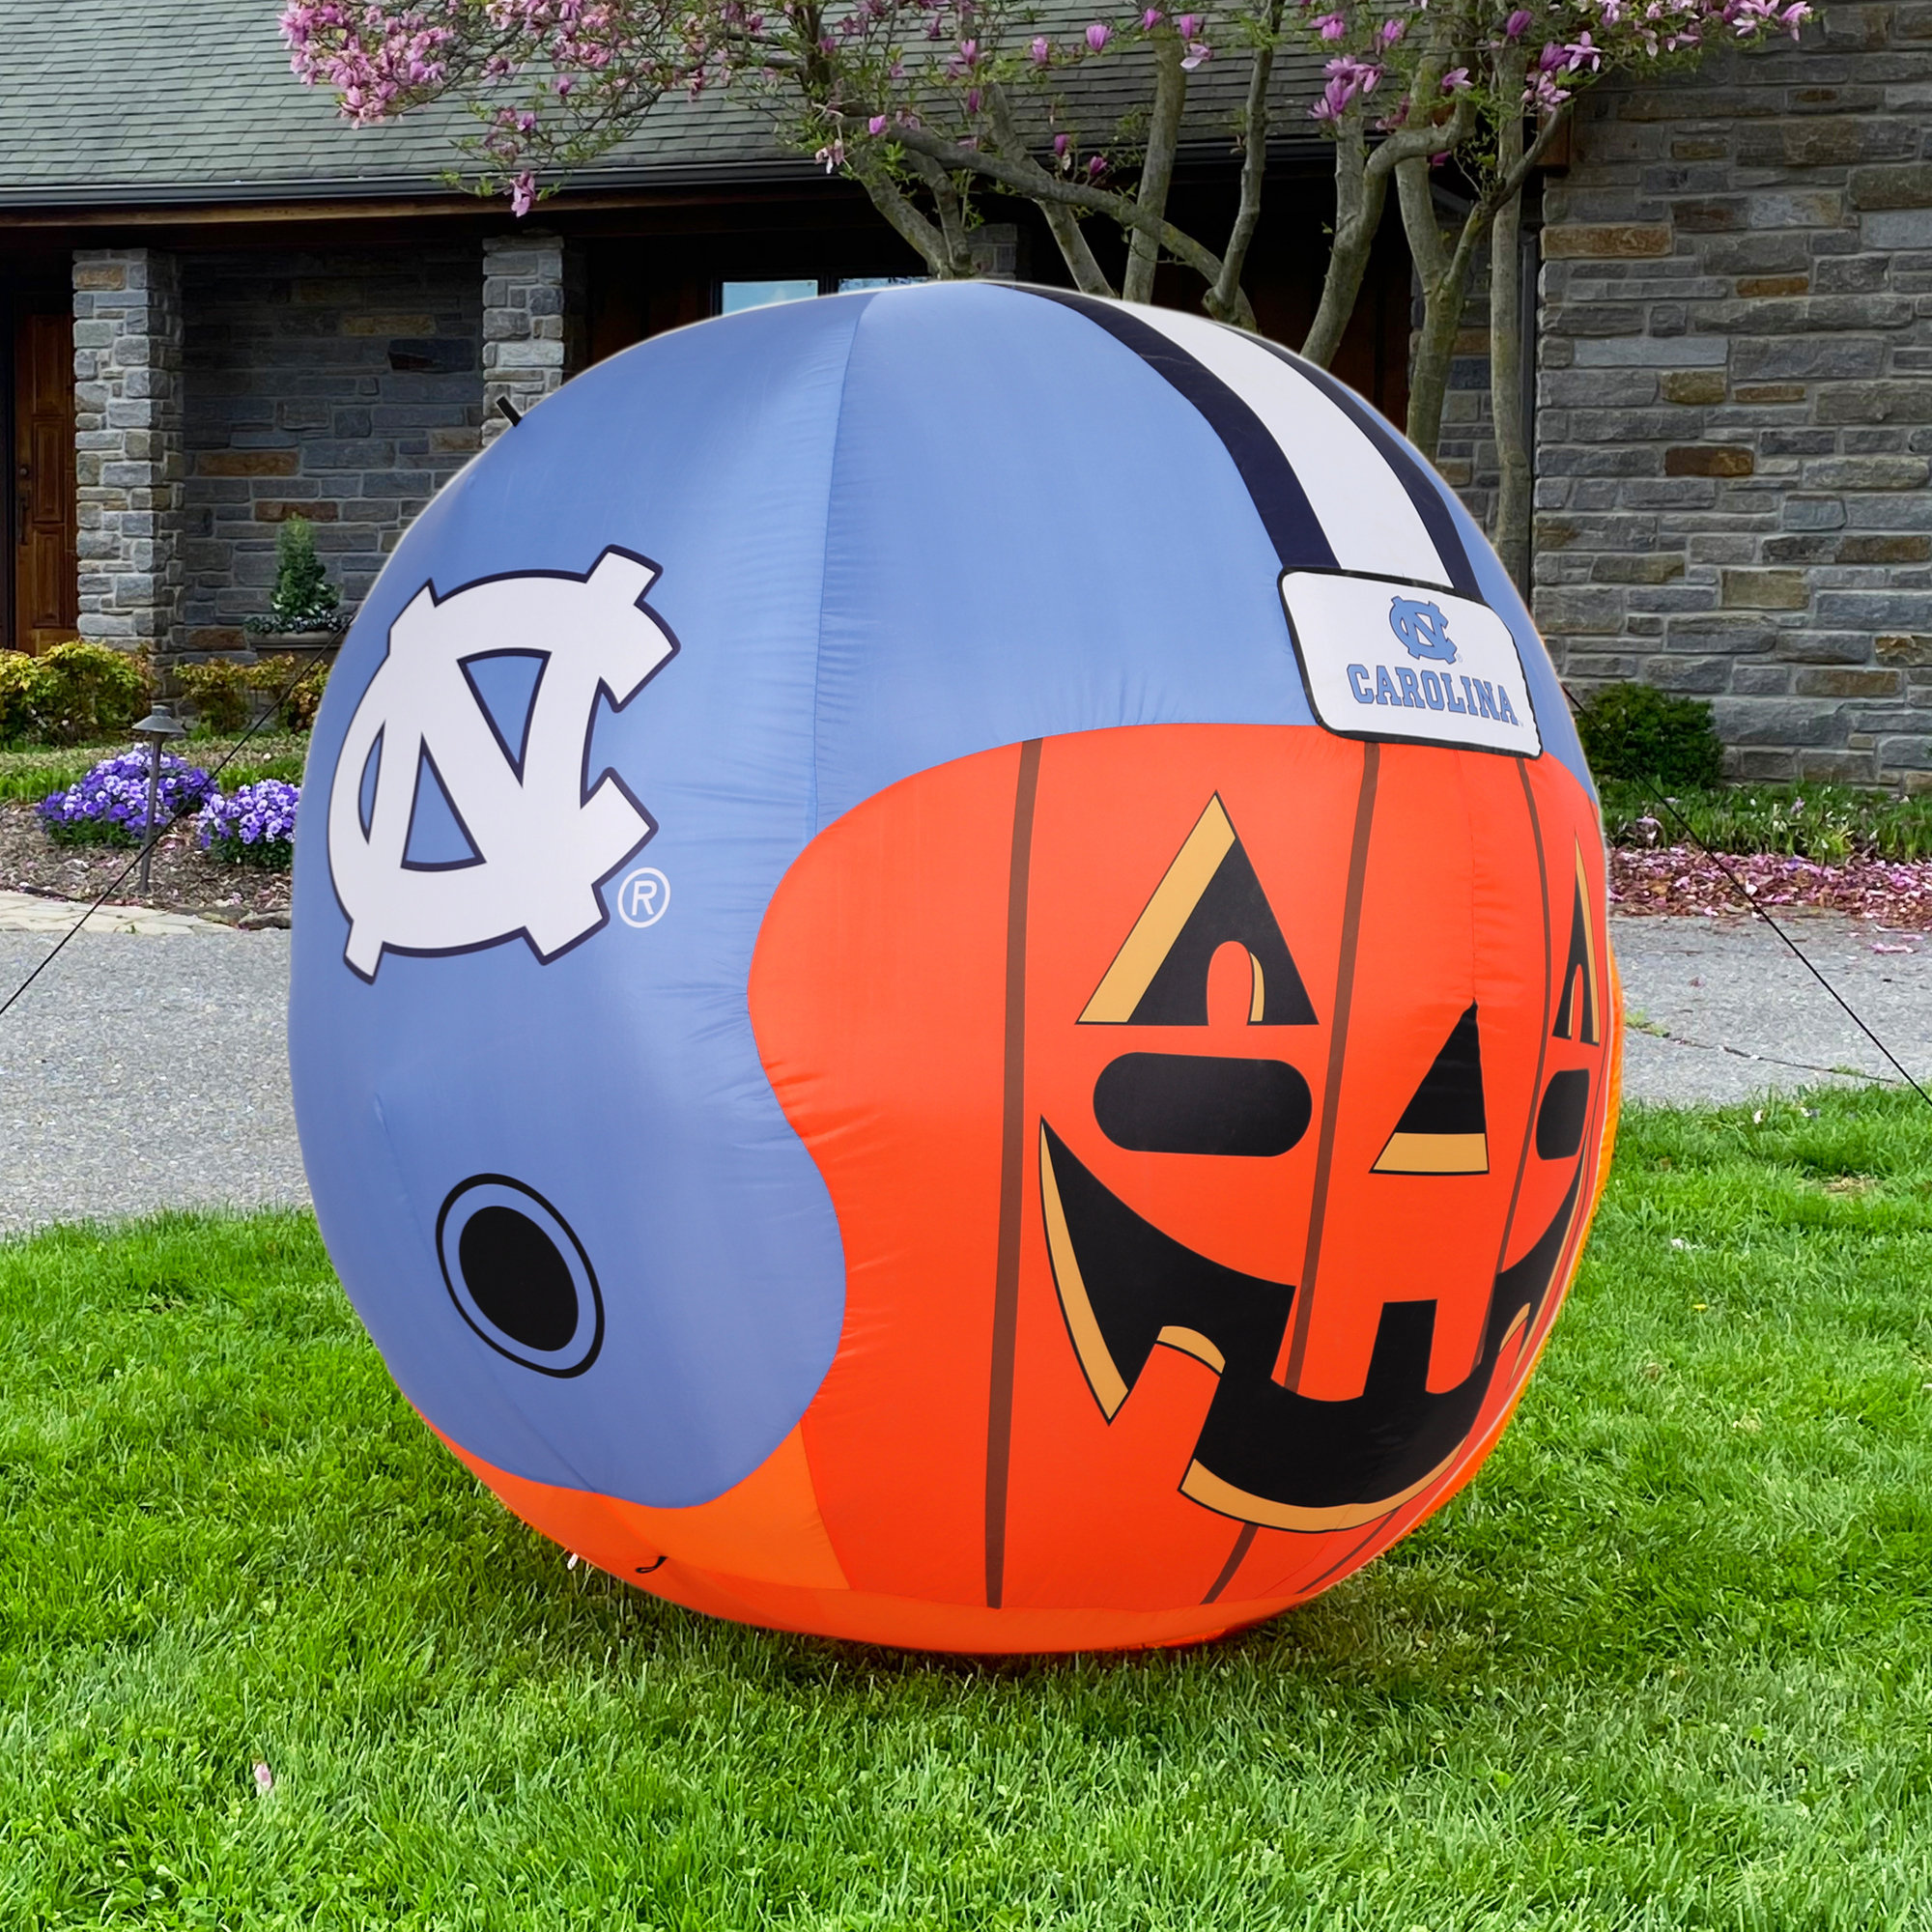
pixel 1212 1116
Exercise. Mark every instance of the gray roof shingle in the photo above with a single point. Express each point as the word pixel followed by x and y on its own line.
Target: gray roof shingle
pixel 103 104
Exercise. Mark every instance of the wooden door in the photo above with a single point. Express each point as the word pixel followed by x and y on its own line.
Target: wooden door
pixel 46 567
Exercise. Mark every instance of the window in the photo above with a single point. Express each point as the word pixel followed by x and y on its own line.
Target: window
pixel 735 296
pixel 732 297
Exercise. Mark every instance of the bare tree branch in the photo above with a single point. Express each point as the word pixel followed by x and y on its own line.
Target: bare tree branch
pixel 1088 277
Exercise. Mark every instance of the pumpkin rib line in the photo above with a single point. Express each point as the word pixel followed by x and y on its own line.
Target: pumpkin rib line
pixel 1013 1170
pixel 1295 1343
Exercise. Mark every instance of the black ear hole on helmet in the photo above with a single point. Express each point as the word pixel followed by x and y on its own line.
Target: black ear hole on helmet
pixel 519 1276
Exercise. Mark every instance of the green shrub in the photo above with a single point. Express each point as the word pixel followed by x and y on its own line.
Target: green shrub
pixel 304 598
pixel 219 690
pixel 296 685
pixel 89 692
pixel 75 694
pixel 1638 732
pixel 16 696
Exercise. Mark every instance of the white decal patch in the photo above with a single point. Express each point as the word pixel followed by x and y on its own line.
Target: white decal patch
pixel 539 845
pixel 1388 659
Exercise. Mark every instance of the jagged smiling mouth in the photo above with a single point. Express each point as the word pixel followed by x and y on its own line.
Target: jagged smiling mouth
pixel 1268 1454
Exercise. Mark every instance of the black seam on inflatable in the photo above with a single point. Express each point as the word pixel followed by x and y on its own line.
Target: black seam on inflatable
pixel 1295 1344
pixel 1244 1541
pixel 1279 499
pixel 1543 1024
pixel 1013 1179
pixel 1435 513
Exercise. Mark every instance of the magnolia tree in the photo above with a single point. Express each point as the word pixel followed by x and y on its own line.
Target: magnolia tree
pixel 927 103
pixel 1497 80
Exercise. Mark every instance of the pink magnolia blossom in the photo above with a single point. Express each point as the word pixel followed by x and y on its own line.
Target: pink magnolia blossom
pixel 1188 26
pixel 1457 80
pixel 1517 23
pixel 876 125
pixel 1198 51
pixel 1151 19
pixel 1041 50
pixel 1331 26
pixel 523 193
pixel 1098 37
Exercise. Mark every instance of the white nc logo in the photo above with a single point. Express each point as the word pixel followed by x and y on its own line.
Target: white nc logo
pixel 539 845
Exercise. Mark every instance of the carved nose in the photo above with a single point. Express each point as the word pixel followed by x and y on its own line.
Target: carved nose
pixel 1199 1103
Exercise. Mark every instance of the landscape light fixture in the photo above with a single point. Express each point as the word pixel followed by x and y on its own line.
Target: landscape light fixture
pixel 159 724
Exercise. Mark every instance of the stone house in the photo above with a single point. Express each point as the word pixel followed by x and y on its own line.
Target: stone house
pixel 224 308
pixel 1734 424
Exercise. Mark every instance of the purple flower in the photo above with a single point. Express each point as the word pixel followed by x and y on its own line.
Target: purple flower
pixel 256 822
pixel 1457 80
pixel 1188 26
pixel 876 125
pixel 1515 26
pixel 1098 37
pixel 109 806
pixel 1331 26
pixel 1041 50
pixel 523 193
pixel 1060 145
pixel 1151 19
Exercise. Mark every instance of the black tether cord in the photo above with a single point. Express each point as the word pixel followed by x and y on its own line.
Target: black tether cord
pixel 1738 886
pixel 60 945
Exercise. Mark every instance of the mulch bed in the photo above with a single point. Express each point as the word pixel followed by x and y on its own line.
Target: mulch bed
pixel 183 877
pixel 1679 879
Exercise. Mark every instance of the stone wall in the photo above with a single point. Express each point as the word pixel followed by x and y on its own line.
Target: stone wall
pixel 127 444
pixel 533 322
pixel 1735 403
pixel 344 387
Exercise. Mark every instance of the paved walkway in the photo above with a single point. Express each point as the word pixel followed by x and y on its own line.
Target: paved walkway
pixel 1719 1009
pixel 148 1068
pixel 143 1071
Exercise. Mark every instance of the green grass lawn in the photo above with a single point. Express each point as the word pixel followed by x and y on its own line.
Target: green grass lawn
pixel 1666 1663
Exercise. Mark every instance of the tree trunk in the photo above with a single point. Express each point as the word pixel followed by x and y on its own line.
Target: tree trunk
pixel 1506 370
pixel 1359 198
pixel 1443 272
pixel 907 222
pixel 1170 96
pixel 1225 298
pixel 1063 225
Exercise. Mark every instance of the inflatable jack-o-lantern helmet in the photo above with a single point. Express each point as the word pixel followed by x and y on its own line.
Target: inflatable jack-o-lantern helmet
pixel 886 1055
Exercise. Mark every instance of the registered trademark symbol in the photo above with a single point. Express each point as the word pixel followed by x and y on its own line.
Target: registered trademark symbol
pixel 644 897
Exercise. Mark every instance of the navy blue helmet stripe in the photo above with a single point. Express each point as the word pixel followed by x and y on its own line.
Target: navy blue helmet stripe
pixel 1403 461
pixel 1279 499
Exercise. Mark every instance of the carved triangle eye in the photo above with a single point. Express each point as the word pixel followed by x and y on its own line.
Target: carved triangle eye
pixel 1443 1129
pixel 1206 898
pixel 1576 1012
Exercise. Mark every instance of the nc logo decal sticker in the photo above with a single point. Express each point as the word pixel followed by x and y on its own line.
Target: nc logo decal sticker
pixel 1421 629
pixel 479 722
